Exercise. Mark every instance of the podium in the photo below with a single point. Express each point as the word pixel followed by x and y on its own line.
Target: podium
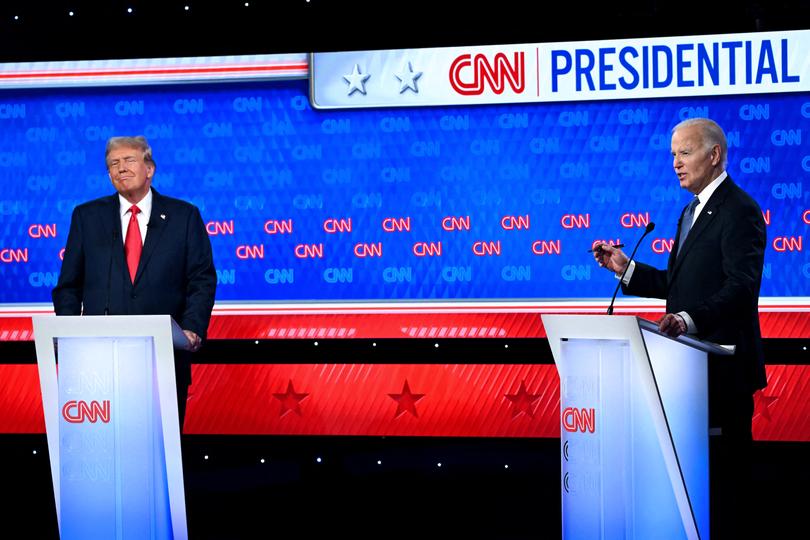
pixel 634 433
pixel 112 425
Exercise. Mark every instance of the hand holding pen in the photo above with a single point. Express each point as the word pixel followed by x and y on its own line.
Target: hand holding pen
pixel 610 257
pixel 599 247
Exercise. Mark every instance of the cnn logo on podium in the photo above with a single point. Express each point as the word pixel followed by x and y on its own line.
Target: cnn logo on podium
pixel 583 420
pixel 77 412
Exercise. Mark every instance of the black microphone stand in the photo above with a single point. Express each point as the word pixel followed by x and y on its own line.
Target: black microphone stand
pixel 648 230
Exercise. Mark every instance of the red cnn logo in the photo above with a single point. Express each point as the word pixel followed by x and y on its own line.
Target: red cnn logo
pixel 583 420
pixel 662 245
pixel 496 74
pixel 391 224
pixel 77 412
pixel 216 228
pixel 787 243
pixel 630 221
pixel 37 230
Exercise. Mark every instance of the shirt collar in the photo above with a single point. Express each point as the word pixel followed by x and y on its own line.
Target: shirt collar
pixel 707 192
pixel 144 205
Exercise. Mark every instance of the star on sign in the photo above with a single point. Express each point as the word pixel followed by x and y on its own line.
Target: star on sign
pixel 407 78
pixel 406 401
pixel 523 401
pixel 762 404
pixel 290 400
pixel 356 80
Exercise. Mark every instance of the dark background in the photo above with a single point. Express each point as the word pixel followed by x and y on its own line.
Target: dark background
pixel 232 494
pixel 161 28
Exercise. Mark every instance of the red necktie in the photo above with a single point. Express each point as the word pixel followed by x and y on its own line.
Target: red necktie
pixel 133 244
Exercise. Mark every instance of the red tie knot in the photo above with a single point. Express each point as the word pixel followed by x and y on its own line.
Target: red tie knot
pixel 135 210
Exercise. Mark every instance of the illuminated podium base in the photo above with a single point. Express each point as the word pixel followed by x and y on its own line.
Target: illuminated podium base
pixel 634 429
pixel 112 424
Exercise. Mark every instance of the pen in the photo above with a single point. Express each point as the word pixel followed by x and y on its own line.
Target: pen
pixel 600 247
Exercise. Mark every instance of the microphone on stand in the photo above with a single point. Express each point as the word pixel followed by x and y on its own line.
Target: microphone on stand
pixel 647 230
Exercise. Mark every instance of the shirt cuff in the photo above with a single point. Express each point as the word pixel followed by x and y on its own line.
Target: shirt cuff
pixel 690 324
pixel 628 274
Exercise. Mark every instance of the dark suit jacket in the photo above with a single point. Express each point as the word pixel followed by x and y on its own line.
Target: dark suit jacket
pixel 175 275
pixel 716 281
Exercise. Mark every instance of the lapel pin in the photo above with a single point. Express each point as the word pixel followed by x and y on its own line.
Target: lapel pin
pixel 709 212
pixel 163 216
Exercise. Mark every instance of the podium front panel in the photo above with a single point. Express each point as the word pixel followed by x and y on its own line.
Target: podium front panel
pixel 593 391
pixel 615 482
pixel 113 477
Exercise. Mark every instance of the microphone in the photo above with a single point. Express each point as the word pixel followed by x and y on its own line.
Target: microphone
pixel 647 230
pixel 109 271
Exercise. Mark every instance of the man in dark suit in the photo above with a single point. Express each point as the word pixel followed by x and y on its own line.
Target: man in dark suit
pixel 139 253
pixel 711 286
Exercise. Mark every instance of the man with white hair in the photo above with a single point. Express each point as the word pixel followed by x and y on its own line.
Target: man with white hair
pixel 711 286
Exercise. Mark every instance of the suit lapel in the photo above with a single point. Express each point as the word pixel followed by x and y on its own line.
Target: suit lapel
pixel 112 216
pixel 111 220
pixel 673 254
pixel 154 230
pixel 704 221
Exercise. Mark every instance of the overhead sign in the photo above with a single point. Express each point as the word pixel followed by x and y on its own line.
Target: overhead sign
pixel 572 71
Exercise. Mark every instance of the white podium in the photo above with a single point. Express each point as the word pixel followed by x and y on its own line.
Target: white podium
pixel 112 425
pixel 634 430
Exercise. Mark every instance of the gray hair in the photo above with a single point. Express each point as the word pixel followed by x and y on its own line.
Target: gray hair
pixel 139 143
pixel 710 132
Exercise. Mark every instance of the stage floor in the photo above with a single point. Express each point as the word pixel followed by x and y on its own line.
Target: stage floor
pixel 375 487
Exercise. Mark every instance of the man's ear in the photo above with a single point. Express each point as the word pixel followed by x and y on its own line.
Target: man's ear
pixel 715 154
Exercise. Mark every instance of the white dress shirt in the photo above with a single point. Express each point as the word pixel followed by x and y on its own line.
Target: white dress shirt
pixel 145 207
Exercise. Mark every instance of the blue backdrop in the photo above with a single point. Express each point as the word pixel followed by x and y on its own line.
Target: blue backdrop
pixel 522 190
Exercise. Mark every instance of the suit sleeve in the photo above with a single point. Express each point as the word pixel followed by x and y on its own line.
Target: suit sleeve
pixel 68 293
pixel 647 281
pixel 742 246
pixel 201 277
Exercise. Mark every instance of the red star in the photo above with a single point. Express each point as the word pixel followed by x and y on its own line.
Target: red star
pixel 406 401
pixel 290 400
pixel 523 401
pixel 761 404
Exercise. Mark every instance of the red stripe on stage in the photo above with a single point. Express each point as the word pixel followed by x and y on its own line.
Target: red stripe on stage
pixel 342 325
pixel 782 409
pixel 422 400
pixel 20 399
pixel 445 400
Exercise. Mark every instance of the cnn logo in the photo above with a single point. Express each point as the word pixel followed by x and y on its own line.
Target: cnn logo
pixel 77 412
pixel 583 420
pixel 469 74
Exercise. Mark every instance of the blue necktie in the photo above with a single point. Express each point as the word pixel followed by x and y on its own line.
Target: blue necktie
pixel 686 222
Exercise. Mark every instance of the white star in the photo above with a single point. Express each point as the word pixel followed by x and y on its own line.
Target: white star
pixel 407 78
pixel 356 80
